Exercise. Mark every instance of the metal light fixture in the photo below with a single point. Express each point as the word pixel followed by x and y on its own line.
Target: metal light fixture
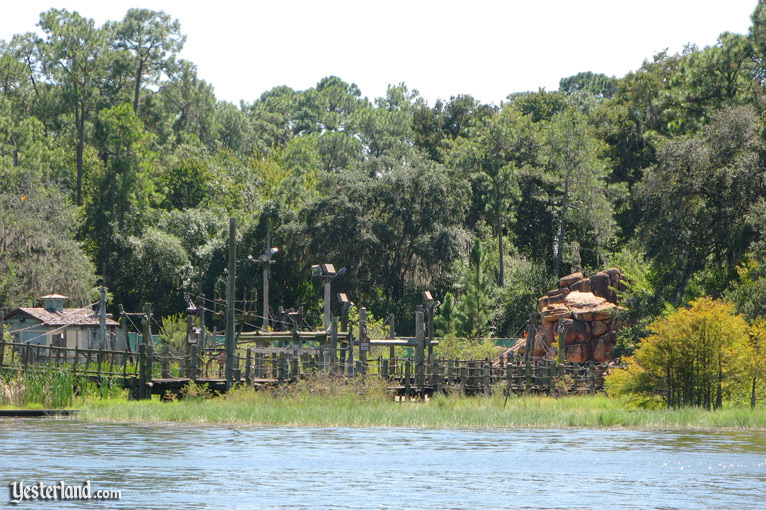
pixel 326 272
pixel 264 261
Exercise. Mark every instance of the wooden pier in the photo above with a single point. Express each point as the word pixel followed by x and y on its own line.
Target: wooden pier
pixel 148 372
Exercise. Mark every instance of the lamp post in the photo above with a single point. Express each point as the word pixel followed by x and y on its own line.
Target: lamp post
pixel 265 262
pixel 326 272
pixel 346 306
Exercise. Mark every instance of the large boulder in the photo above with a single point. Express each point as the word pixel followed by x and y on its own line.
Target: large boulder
pixel 554 312
pixel 587 309
pixel 601 349
pixel 599 328
pixel 599 284
pixel 577 353
pixel 576 332
pixel 581 286
pixel 578 301
pixel 568 280
pixel 549 332
pixel 540 347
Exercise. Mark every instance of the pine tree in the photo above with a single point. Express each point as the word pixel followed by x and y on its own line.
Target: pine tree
pixel 475 309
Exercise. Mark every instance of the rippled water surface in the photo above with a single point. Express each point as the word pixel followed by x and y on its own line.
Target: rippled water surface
pixel 176 466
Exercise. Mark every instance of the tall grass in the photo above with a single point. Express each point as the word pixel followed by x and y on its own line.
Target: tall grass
pixel 355 404
pixel 53 387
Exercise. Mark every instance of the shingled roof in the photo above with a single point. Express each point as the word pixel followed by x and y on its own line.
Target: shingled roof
pixel 65 317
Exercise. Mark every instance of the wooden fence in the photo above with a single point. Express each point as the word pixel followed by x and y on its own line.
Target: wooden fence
pixel 157 371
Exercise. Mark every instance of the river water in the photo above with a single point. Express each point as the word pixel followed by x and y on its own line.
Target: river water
pixel 176 466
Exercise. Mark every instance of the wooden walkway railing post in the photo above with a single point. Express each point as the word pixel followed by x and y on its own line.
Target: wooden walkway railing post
pixel 193 368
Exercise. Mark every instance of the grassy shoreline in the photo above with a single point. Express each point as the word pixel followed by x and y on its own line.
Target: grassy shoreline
pixel 596 412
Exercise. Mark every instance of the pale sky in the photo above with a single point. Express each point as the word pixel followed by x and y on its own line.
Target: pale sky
pixel 488 49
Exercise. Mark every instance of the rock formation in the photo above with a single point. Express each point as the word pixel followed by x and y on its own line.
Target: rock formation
pixel 585 308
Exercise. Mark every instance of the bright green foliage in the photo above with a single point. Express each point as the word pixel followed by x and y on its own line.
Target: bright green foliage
pixel 444 321
pixel 751 358
pixel 691 358
pixel 173 332
pixel 476 306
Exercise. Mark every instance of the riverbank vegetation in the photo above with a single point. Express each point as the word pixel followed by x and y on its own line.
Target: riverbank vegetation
pixel 349 410
pixel 360 402
pixel 114 153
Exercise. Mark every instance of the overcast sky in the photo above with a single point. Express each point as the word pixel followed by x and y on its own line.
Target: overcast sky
pixel 488 49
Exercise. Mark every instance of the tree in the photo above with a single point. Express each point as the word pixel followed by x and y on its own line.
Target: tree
pixel 578 173
pixel 38 253
pixel 75 55
pixel 490 153
pixel 153 41
pixel 713 178
pixel 444 321
pixel 389 229
pixel 689 359
pixel 475 308
pixel 599 85
pixel 750 355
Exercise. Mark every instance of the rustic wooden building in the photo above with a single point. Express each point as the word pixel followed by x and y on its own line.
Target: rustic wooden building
pixel 54 325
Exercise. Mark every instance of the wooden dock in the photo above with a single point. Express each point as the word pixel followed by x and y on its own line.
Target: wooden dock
pixel 149 373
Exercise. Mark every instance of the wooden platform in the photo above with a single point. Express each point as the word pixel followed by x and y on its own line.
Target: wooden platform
pixel 35 413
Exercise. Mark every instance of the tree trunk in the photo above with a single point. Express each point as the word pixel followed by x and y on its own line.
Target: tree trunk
pixel 139 73
pixel 80 120
pixel 562 228
pixel 501 279
pixel 752 393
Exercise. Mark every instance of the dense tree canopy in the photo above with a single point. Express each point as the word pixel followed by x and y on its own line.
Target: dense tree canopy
pixel 113 151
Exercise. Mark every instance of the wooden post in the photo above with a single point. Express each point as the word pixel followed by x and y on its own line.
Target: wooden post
pixel 351 354
pixel 527 378
pixel 282 368
pixel 295 371
pixel 530 344
pixel 363 332
pixel 149 369
pixel 419 348
pixel 407 371
pixel 193 367
pixel 102 314
pixel 384 368
pixel 528 352
pixel 25 358
pixel 334 344
pixel 166 361
pixel 561 329
pixel 230 347
pixel 76 359
pixel 485 379
pixel 141 371
pixel 591 378
pixel 248 360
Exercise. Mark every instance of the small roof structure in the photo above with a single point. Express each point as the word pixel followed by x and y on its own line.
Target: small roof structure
pixel 64 317
pixel 54 296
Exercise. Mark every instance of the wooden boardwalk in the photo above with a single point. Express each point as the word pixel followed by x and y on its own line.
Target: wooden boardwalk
pixel 148 373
